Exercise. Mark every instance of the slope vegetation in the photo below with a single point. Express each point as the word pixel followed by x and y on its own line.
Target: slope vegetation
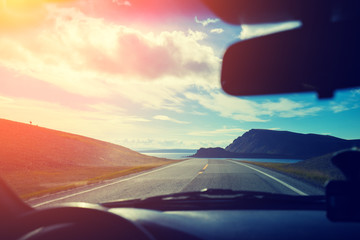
pixel 36 160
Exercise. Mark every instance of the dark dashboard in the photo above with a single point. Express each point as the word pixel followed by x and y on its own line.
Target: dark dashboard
pixel 240 224
pixel 85 221
pixel 208 214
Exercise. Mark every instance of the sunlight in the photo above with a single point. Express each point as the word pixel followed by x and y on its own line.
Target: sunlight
pixel 19 7
pixel 16 14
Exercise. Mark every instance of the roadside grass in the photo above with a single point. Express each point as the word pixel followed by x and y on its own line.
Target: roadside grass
pixel 313 176
pixel 39 183
pixel 35 161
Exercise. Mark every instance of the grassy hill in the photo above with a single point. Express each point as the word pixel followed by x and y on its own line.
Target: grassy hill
pixel 317 170
pixel 36 160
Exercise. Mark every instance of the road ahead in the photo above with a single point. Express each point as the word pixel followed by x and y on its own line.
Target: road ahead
pixel 189 175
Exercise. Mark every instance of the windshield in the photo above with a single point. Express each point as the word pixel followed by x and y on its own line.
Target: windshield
pixel 106 100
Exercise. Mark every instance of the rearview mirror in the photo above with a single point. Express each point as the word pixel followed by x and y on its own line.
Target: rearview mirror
pixel 265 11
pixel 300 60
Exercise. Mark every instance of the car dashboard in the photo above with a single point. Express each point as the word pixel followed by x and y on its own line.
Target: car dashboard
pixel 192 215
pixel 240 224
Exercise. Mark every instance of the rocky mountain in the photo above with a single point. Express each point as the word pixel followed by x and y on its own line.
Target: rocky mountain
pixel 285 144
pixel 215 153
pixel 222 153
pixel 290 144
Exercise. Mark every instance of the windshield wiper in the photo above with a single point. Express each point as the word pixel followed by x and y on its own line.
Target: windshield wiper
pixel 208 199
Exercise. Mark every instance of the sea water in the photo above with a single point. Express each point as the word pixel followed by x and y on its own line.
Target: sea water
pixel 185 155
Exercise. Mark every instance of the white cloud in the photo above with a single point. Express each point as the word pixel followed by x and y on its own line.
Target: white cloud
pixel 157 143
pixel 91 57
pixel 356 91
pixel 251 31
pixel 107 108
pixel 122 3
pixel 6 100
pixel 340 108
pixel 199 113
pixel 206 21
pixel 300 112
pixel 153 143
pixel 252 111
pixel 226 106
pixel 99 121
pixel 217 30
pixel 166 118
pixel 350 102
pixel 221 132
pixel 287 108
pixel 282 105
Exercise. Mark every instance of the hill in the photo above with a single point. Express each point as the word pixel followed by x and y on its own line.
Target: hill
pixel 293 145
pixel 318 170
pixel 283 144
pixel 214 153
pixel 34 158
pixel 222 153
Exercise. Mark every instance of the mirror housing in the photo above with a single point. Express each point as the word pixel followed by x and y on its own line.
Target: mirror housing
pixel 343 197
pixel 266 11
pixel 300 60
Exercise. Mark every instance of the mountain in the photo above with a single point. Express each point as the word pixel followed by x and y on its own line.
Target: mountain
pixel 222 153
pixel 284 144
pixel 293 145
pixel 214 153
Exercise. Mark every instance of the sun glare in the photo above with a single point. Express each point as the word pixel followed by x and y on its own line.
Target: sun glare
pixel 22 13
pixel 20 6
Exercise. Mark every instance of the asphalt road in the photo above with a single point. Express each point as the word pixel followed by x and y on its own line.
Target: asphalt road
pixel 188 175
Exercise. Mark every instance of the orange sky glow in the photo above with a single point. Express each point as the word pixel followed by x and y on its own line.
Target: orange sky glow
pixel 143 74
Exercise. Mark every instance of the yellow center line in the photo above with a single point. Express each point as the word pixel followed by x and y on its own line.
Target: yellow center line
pixel 205 166
pixel 202 171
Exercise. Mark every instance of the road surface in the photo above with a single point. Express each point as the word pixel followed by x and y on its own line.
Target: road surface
pixel 188 175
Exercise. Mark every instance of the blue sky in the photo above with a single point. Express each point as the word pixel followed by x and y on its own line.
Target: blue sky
pixel 145 84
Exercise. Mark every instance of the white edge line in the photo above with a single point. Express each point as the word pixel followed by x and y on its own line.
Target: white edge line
pixel 105 185
pixel 273 178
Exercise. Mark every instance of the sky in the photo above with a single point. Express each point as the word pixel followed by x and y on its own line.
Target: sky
pixel 143 74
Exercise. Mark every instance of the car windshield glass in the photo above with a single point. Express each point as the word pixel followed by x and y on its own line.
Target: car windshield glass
pixel 102 100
